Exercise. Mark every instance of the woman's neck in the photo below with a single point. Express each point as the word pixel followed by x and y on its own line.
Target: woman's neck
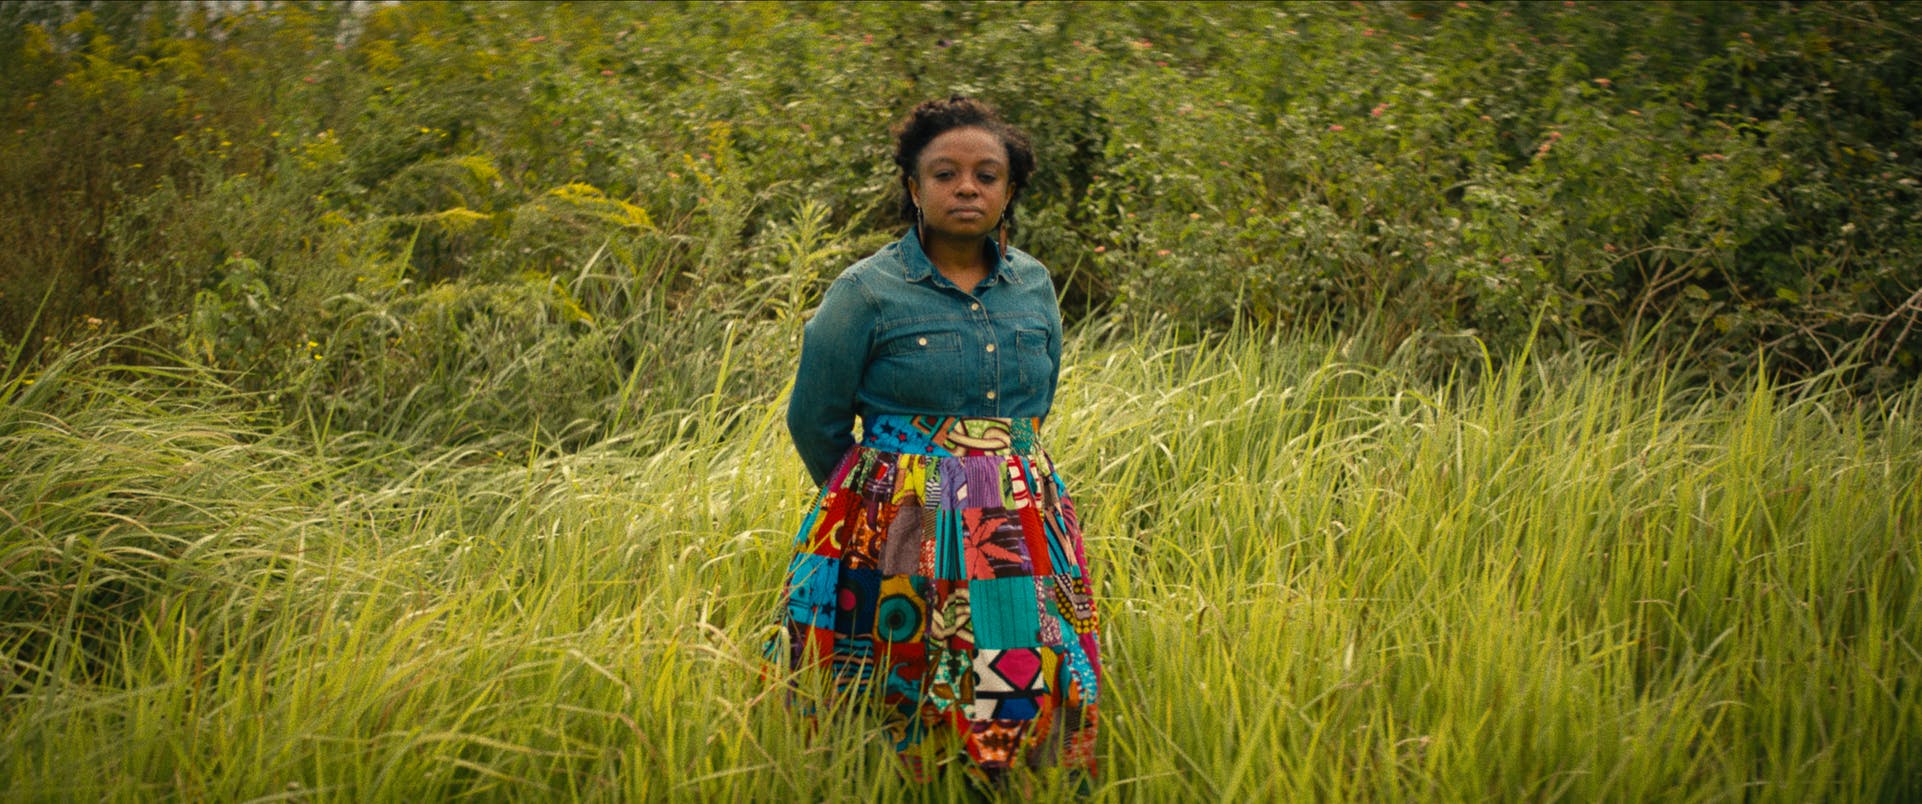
pixel 964 262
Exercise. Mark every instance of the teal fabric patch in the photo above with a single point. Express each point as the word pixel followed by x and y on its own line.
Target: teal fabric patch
pixel 1006 613
pixel 948 565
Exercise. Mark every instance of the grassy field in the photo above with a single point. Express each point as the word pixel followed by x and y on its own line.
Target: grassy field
pixel 1320 578
pixel 391 394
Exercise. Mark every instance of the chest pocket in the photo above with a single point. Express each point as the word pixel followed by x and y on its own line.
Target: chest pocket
pixel 919 370
pixel 1031 357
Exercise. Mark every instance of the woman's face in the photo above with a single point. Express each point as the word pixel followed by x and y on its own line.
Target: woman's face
pixel 961 183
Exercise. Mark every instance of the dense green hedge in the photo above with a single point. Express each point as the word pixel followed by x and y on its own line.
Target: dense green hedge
pixel 376 207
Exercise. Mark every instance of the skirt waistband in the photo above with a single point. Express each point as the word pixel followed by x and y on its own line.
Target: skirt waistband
pixel 951 435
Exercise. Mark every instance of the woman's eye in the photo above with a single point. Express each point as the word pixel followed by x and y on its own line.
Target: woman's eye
pixel 987 178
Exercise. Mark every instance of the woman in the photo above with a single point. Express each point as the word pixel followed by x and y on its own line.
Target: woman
pixel 941 568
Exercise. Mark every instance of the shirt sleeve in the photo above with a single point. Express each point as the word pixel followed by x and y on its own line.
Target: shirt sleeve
pixel 834 351
pixel 1054 349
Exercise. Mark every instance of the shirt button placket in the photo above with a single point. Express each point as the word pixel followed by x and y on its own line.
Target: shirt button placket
pixel 994 367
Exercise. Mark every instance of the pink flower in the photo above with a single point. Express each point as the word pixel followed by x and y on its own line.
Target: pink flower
pixel 1378 110
pixel 1604 82
pixel 1162 252
pixel 1337 127
pixel 1100 249
pixel 607 72
pixel 1507 260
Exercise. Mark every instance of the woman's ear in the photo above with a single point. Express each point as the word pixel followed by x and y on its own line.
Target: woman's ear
pixel 914 191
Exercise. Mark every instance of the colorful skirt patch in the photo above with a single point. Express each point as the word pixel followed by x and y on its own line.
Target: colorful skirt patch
pixel 941 573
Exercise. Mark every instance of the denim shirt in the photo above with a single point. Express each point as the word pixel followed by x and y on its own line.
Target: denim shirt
pixel 894 336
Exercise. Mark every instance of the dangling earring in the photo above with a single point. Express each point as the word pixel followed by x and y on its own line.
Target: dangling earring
pixel 919 233
pixel 1003 228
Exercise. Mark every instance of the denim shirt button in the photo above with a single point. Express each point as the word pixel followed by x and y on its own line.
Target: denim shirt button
pixel 990 394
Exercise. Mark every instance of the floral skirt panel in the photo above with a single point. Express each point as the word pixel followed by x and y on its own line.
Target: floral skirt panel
pixel 941 571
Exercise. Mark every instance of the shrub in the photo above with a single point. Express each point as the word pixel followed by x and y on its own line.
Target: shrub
pixel 1738 178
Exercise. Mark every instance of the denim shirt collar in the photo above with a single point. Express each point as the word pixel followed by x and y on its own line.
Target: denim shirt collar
pixel 916 267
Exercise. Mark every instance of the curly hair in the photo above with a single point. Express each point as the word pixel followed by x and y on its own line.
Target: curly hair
pixel 933 118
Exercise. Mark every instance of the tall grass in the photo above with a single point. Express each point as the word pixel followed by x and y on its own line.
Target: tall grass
pixel 1320 578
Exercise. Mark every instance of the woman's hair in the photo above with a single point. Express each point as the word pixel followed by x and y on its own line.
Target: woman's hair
pixel 936 117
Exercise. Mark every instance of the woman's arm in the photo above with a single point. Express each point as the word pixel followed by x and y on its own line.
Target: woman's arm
pixel 1055 347
pixel 834 351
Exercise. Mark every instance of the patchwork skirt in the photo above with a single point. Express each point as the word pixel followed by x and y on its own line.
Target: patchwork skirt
pixel 940 574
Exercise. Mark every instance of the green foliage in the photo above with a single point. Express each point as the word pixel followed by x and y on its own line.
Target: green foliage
pixel 1736 177
pixel 452 470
